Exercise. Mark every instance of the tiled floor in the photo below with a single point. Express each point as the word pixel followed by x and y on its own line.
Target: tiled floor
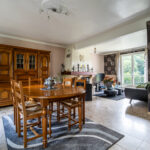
pixel 132 121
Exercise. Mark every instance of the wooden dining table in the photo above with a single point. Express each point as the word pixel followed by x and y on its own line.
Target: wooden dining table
pixel 45 96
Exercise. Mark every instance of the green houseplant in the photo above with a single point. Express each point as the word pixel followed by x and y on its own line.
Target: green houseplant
pixel 109 81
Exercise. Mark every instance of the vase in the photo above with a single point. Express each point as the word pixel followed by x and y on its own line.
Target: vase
pixel 109 85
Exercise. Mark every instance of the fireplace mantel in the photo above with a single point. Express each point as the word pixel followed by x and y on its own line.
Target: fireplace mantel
pixel 83 73
pixel 78 73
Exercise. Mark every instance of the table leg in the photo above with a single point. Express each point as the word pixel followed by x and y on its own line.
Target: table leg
pixel 83 107
pixel 148 100
pixel 44 126
pixel 80 113
pixel 58 111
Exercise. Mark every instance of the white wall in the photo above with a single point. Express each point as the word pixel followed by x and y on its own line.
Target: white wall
pixel 98 63
pixel 88 57
pixel 129 35
pixel 129 41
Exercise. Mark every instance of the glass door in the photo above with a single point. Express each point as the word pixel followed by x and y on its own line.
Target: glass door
pixel 138 68
pixel 20 61
pixel 126 70
pixel 32 61
pixel 133 68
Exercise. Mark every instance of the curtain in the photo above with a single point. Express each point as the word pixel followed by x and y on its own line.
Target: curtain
pixel 146 66
pixel 118 67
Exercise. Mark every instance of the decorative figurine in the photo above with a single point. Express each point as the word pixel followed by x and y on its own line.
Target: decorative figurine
pixel 88 68
pixel 73 68
pixel 78 66
pixel 62 68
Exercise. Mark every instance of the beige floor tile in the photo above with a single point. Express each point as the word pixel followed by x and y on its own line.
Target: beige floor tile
pixel 2 137
pixel 147 138
pixel 116 147
pixel 129 143
pixel 144 146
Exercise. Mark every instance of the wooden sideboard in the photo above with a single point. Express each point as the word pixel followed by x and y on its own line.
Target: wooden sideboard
pixel 20 63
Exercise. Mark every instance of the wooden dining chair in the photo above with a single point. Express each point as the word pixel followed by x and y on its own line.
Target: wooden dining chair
pixel 28 103
pixel 34 81
pixel 28 113
pixel 72 104
pixel 67 83
pixel 80 83
pixel 14 102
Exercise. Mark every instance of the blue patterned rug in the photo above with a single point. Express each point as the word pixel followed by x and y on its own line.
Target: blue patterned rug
pixel 93 136
pixel 116 98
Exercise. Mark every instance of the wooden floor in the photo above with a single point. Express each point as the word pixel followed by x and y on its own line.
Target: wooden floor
pixel 131 120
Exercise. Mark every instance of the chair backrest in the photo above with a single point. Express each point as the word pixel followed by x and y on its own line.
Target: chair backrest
pixel 19 96
pixel 67 82
pixel 12 91
pixel 80 83
pixel 36 81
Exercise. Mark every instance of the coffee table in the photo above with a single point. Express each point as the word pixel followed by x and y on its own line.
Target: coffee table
pixel 111 92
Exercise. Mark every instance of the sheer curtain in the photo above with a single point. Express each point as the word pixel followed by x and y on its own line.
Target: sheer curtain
pixel 118 67
pixel 146 66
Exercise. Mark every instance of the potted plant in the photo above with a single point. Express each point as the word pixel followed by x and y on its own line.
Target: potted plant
pixel 108 82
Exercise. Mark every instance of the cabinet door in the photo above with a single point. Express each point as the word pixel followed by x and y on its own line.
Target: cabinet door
pixel 5 64
pixel 32 62
pixel 20 61
pixel 5 75
pixel 44 65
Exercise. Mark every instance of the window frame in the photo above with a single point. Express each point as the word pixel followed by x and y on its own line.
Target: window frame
pixel 132 67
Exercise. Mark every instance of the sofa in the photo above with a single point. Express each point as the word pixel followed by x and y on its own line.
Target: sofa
pixel 137 94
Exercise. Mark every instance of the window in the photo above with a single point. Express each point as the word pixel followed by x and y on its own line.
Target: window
pixel 133 68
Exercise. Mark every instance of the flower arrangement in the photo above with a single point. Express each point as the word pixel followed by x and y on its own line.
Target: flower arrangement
pixel 108 80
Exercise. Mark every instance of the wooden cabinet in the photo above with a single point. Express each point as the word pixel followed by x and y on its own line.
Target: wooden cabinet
pixel 20 63
pixel 5 75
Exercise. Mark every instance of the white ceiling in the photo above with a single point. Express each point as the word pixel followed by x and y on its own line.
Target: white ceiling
pixel 22 18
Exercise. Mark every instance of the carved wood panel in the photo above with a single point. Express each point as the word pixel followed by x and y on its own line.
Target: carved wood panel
pixel 44 65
